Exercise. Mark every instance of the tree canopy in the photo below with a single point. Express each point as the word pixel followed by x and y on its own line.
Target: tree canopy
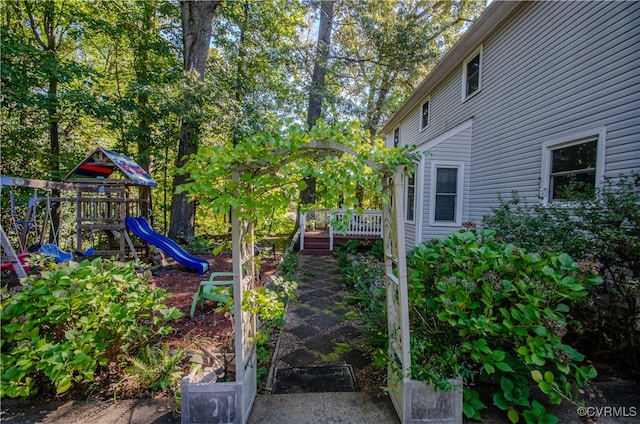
pixel 77 75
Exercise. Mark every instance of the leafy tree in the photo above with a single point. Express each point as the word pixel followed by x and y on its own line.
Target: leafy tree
pixel 197 21
pixel 256 80
pixel 382 50
pixel 317 86
pixel 45 87
pixel 140 65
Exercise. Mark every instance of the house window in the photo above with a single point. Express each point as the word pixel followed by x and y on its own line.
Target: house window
pixel 446 194
pixel 425 114
pixel 396 137
pixel 471 74
pixel 573 170
pixel 410 197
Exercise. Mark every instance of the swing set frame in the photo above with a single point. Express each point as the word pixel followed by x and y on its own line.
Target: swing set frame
pixel 100 205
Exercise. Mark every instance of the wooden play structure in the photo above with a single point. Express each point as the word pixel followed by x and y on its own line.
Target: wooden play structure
pixel 99 200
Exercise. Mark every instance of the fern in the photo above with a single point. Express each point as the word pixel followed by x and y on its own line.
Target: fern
pixel 156 367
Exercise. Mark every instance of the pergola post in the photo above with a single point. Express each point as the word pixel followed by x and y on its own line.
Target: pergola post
pixel 399 369
pixel 245 323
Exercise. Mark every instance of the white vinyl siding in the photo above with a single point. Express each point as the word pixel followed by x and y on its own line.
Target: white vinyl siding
pixel 551 71
pixel 452 148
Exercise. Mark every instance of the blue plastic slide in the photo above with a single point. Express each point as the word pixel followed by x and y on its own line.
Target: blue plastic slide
pixel 141 228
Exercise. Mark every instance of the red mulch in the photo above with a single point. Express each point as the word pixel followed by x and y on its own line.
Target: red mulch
pixel 207 330
pixel 182 284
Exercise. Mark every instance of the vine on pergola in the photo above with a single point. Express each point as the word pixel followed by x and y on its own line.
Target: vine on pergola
pixel 271 168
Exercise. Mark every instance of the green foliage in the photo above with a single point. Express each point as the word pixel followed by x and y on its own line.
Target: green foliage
pixel 487 310
pixel 605 230
pixel 362 275
pixel 269 304
pixel 156 367
pixel 289 264
pixel 74 318
pixel 384 50
pixel 272 165
pixel 377 250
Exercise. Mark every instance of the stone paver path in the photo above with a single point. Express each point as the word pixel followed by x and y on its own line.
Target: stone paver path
pixel 321 328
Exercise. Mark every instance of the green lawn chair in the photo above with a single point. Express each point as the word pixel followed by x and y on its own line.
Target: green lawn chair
pixel 210 289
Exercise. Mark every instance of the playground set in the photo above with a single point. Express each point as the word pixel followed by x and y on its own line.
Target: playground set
pixel 104 207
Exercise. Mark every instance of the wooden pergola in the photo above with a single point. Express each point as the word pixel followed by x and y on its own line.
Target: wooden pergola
pixel 243 391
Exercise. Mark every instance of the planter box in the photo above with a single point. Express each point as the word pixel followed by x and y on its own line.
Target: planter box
pixel 419 403
pixel 205 401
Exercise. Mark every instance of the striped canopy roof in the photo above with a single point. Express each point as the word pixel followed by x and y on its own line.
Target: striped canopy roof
pixel 102 163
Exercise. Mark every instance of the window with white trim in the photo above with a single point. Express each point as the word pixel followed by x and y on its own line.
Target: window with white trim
pixel 472 75
pixel 573 169
pixel 446 193
pixel 424 117
pixel 396 137
pixel 410 197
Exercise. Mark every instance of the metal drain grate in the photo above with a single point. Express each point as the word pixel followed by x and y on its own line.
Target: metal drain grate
pixel 338 378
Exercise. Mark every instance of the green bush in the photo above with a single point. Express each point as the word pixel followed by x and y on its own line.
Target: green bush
pixel 269 304
pixel 363 276
pixel 74 318
pixel 604 230
pixel 289 264
pixel 489 311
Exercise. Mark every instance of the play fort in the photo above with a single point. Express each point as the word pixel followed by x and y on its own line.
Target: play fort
pixel 88 214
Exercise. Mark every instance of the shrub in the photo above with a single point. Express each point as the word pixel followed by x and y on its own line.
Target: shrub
pixel 487 310
pixel 363 275
pixel 289 264
pixel 74 318
pixel 605 230
pixel 269 304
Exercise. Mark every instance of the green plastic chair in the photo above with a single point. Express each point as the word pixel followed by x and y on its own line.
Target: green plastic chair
pixel 208 290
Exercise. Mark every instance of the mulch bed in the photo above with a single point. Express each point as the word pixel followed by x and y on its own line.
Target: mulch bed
pixel 207 330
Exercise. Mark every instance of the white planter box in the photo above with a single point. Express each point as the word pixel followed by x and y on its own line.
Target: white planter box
pixel 419 403
pixel 205 401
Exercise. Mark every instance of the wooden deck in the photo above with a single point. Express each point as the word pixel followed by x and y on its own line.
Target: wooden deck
pixel 317 242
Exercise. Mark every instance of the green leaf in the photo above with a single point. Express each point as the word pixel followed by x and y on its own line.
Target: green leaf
pixel 513 415
pixel 537 360
pixel 489 368
pixel 70 334
pixel 536 375
pixel 500 401
pixel 503 366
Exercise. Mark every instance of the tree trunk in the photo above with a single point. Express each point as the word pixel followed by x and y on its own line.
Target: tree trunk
pixel 197 21
pixel 144 142
pixel 316 90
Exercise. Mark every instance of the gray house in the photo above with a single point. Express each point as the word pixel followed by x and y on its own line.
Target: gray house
pixel 535 97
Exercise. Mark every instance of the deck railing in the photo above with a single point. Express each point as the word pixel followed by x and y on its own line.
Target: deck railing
pixel 367 224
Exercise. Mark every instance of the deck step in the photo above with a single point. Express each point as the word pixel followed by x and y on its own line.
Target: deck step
pixel 316 252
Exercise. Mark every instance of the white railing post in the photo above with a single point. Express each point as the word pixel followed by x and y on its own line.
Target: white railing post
pixel 331 238
pixel 302 230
